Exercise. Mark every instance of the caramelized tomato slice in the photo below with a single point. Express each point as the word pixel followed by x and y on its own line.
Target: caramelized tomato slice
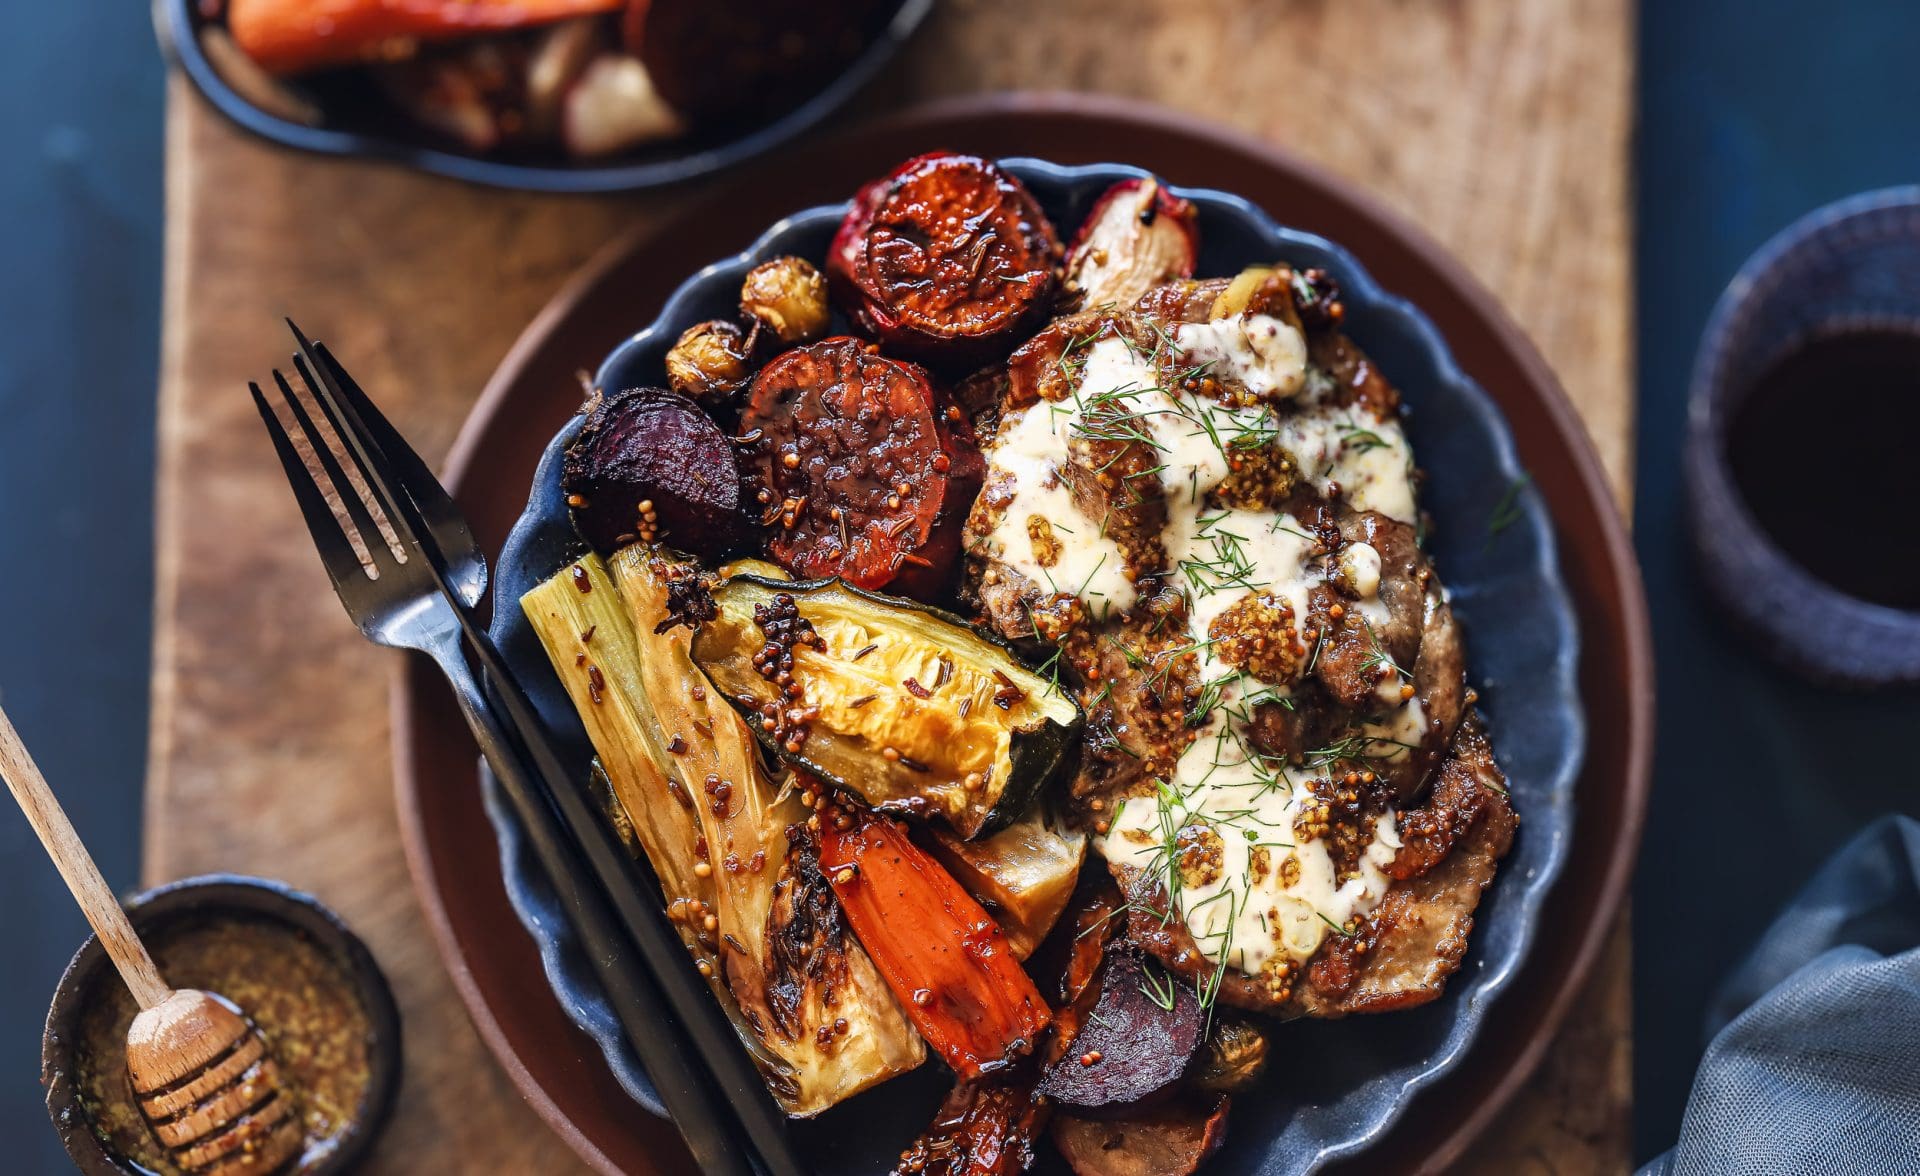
pixel 950 260
pixel 860 470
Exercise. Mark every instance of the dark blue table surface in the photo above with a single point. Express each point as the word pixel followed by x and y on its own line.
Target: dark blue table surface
pixel 1752 112
pixel 80 197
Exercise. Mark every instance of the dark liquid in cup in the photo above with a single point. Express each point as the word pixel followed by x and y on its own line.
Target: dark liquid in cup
pixel 1826 451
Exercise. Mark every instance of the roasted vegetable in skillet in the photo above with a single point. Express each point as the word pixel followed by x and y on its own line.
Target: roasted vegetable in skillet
pixel 649 466
pixel 722 62
pixel 862 472
pixel 944 957
pixel 729 846
pixel 906 707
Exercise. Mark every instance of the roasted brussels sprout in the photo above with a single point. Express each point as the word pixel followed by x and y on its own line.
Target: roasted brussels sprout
pixel 1234 1056
pixel 709 364
pixel 788 297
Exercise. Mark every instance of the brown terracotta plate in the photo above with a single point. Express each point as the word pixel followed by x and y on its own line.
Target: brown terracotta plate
pixel 451 846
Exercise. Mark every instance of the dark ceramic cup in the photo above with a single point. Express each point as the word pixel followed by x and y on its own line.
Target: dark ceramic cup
pixel 1852 265
pixel 216 896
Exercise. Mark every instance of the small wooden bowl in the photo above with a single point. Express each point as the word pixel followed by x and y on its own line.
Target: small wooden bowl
pixel 212 897
pixel 1850 264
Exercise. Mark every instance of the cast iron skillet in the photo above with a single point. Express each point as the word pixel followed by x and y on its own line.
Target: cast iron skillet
pixel 498 972
pixel 357 128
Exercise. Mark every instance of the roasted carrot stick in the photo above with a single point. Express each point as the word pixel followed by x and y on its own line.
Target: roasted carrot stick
pixel 292 36
pixel 938 949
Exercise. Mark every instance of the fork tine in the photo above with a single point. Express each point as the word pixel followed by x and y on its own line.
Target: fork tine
pixel 402 511
pixel 428 494
pixel 370 534
pixel 336 552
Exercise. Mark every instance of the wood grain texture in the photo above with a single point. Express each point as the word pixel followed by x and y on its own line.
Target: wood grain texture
pixel 1500 128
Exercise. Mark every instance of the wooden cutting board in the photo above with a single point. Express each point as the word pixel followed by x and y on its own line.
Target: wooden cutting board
pixel 1503 129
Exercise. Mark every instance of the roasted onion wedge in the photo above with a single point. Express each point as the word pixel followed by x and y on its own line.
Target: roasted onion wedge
pixel 1137 237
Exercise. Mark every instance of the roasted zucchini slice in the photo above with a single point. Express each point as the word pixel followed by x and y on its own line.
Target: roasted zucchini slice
pixel 905 706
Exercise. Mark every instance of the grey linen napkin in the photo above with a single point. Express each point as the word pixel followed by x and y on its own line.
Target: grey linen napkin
pixel 1814 1061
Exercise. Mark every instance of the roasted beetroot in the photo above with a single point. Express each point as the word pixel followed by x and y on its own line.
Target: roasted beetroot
pixel 1172 1140
pixel 1138 236
pixel 859 468
pixel 947 259
pixel 1135 1044
pixel 649 466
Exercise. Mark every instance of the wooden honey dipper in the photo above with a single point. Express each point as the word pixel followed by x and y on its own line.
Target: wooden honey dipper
pixel 201 1072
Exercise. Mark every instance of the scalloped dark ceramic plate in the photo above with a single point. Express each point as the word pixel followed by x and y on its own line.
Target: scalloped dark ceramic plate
pixel 357 126
pixel 1523 644
pixel 452 848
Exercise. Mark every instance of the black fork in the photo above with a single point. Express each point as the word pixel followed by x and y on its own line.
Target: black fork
pixel 417 592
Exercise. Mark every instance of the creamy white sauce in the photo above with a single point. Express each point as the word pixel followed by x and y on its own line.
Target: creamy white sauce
pixel 1251 915
pixel 1085 562
pixel 1267 356
pixel 1396 735
pixel 1347 447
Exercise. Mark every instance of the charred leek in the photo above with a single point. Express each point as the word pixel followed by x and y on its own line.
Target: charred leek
pixel 755 912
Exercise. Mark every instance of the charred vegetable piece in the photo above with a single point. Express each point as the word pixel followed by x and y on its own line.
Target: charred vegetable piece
pixel 1235 1055
pixel 1135 1044
pixel 1172 1140
pixel 650 466
pixel 982 1129
pixel 292 36
pixel 722 62
pixel 710 364
pixel 951 261
pixel 788 297
pixel 907 707
pixel 743 882
pixel 471 93
pixel 1137 237
pixel 862 472
pixel 1024 874
pixel 943 956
